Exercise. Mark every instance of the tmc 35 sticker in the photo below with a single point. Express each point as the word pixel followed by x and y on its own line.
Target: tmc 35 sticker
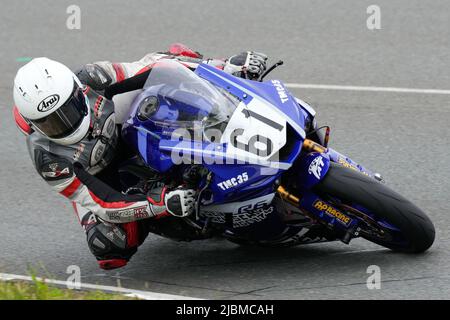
pixel 233 182
pixel 332 212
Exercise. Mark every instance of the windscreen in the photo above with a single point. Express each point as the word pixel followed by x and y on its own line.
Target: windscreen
pixel 189 100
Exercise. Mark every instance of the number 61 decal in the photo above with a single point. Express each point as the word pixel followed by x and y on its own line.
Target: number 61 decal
pixel 252 144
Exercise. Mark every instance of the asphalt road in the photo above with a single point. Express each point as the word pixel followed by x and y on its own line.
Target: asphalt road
pixel 403 136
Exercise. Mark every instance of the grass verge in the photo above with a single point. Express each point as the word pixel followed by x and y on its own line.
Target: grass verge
pixel 39 290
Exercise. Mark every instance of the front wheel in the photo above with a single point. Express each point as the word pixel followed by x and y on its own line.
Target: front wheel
pixel 402 226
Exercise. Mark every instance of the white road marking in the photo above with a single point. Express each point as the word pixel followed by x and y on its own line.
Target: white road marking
pixel 146 295
pixel 360 88
pixel 360 251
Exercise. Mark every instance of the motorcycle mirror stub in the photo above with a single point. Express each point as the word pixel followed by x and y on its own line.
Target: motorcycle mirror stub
pixel 148 108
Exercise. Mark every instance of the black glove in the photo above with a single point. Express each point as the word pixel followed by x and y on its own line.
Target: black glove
pixel 249 65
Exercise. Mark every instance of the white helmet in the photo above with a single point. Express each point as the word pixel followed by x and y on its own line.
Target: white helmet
pixel 50 97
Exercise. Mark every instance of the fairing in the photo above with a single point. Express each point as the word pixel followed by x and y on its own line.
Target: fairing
pixel 190 103
pixel 259 134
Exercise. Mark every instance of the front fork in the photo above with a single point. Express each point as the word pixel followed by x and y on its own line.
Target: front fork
pixel 313 166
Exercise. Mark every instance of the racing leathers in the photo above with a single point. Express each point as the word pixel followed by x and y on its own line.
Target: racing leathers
pixel 86 173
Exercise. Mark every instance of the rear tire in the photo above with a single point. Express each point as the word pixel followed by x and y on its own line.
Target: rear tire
pixel 354 187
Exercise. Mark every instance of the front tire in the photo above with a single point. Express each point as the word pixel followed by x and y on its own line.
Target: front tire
pixel 351 186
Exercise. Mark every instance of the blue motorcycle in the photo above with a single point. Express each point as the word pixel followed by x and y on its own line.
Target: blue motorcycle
pixel 262 168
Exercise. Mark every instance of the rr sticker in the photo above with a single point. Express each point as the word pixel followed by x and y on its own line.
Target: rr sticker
pixel 316 167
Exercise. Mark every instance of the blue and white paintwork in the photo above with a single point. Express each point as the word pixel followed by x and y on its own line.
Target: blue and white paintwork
pixel 242 185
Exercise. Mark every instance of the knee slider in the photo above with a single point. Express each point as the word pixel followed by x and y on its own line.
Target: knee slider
pixel 108 241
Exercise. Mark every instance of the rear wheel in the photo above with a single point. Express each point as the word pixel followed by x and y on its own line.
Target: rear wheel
pixel 399 224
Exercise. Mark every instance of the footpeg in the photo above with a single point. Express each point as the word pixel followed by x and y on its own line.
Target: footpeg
pixel 350 234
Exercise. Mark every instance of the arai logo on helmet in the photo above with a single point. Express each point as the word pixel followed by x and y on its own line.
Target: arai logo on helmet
pixel 48 103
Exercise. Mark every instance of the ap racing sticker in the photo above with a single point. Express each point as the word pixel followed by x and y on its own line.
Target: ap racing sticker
pixel 332 212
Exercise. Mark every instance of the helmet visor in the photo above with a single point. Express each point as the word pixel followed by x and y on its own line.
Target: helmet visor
pixel 66 119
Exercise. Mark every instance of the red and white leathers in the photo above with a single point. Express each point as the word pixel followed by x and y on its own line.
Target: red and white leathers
pixel 85 172
pixel 98 149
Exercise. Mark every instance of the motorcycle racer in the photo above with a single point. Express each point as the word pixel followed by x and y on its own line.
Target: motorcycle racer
pixel 73 139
